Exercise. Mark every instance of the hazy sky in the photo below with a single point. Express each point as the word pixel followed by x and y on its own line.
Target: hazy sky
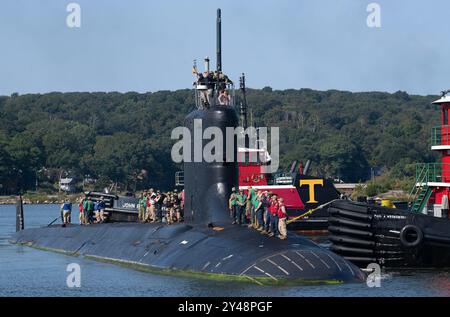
pixel 142 45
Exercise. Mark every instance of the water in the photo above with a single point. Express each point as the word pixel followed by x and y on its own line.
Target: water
pixel 28 272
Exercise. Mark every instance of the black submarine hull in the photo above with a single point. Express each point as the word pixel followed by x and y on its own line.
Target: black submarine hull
pixel 226 252
pixel 394 238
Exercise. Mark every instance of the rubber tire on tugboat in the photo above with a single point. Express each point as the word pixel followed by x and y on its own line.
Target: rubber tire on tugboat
pixel 406 230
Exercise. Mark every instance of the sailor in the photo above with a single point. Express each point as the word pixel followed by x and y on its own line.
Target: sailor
pixel 176 207
pixel 251 204
pixel 147 207
pixel 232 205
pixel 142 206
pixel 181 197
pixel 273 210
pixel 89 211
pixel 267 214
pixel 101 209
pixel 152 209
pixel 258 195
pixel 169 208
pixel 224 98
pixel 241 199
pixel 222 79
pixel 259 210
pixel 85 216
pixel 206 79
pixel 66 211
pixel 282 217
pixel 96 212
pixel 80 208
pixel 159 201
pixel 164 207
pixel 248 204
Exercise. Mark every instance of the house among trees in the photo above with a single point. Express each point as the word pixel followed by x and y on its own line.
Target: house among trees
pixel 67 184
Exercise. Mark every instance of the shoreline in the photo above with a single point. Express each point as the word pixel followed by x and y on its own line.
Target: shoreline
pixel 39 199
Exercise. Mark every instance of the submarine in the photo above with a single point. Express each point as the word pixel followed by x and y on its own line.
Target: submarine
pixel 206 244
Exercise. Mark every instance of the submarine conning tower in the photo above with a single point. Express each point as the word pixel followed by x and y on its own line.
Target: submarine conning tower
pixel 207 182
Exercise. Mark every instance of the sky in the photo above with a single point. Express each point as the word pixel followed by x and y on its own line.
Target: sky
pixel 144 45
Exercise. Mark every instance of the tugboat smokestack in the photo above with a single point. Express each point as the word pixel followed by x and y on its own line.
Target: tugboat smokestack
pixel 219 41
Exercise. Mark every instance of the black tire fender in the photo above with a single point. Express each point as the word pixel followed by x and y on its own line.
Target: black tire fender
pixel 408 229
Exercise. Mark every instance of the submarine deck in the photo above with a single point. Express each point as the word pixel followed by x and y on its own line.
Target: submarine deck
pixel 227 251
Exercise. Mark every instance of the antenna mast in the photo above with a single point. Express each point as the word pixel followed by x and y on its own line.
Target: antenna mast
pixel 243 106
pixel 219 40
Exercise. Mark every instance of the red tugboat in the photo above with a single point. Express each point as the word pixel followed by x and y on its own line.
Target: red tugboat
pixel 301 193
pixel 418 237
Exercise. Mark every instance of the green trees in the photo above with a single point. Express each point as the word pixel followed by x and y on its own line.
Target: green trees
pixel 125 138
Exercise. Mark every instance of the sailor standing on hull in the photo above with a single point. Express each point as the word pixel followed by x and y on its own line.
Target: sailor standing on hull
pixel 66 209
pixel 273 210
pixel 142 207
pixel 241 199
pixel 282 215
pixel 232 205
pixel 152 208
pixel 259 211
pixel 80 208
pixel 101 210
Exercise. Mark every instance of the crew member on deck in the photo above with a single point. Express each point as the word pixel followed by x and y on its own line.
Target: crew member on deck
pixel 89 211
pixel 241 202
pixel 142 207
pixel 66 211
pixel 273 210
pixel 80 208
pixel 232 205
pixel 282 216
pixel 101 210
pixel 259 210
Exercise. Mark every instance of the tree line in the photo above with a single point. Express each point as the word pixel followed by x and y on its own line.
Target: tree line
pixel 124 138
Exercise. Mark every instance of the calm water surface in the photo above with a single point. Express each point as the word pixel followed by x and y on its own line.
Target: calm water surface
pixel 28 272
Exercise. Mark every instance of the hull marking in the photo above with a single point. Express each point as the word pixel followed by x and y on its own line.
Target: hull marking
pixel 253 280
pixel 274 278
pixel 321 260
pixel 306 260
pixel 337 264
pixel 287 258
pixel 281 269
pixel 227 257
pixel 206 265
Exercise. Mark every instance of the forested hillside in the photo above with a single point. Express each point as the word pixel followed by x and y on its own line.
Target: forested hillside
pixel 125 137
